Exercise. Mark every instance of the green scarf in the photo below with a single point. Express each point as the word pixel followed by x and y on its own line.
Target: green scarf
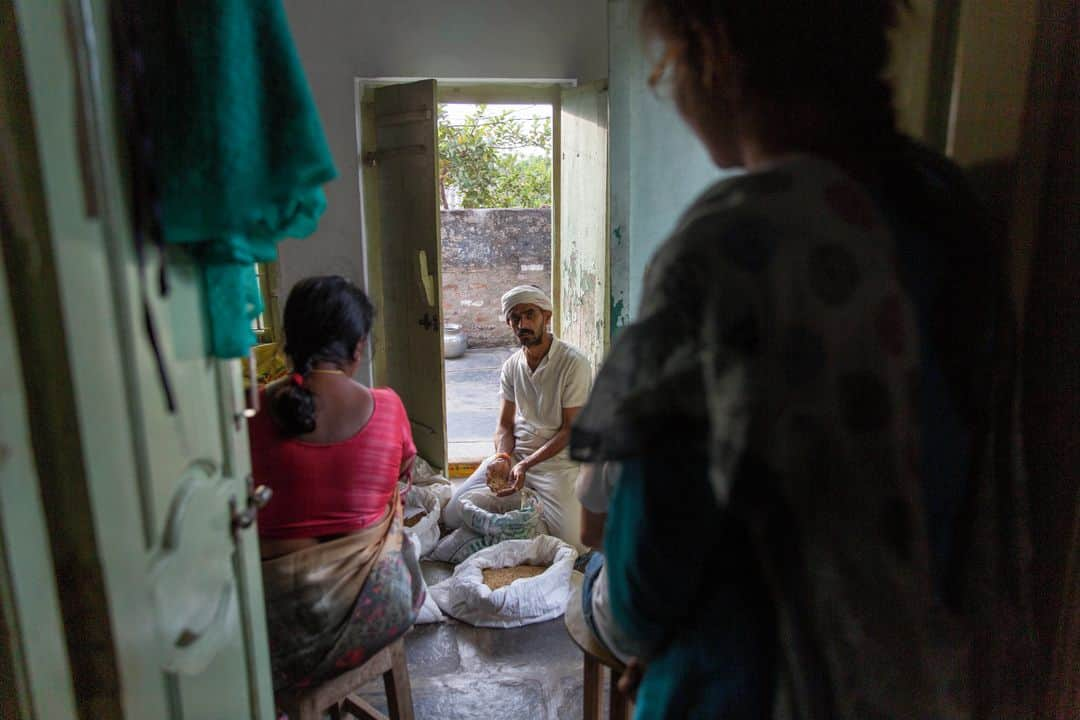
pixel 238 150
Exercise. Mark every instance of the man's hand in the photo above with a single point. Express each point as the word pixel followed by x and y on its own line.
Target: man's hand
pixel 517 479
pixel 498 472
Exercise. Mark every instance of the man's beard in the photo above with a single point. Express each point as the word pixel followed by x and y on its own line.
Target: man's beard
pixel 530 339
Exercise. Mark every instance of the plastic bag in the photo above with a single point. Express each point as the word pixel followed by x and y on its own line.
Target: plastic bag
pixel 464 595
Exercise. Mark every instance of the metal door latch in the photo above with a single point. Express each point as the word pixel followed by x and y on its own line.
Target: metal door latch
pixel 257 497
pixel 429 321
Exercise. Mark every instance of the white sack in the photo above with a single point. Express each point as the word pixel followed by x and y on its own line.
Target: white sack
pixel 464 595
pixel 460 544
pixel 432 480
pixel 427 530
pixel 429 611
pixel 515 517
pixel 489 520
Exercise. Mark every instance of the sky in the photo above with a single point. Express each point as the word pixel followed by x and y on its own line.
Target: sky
pixel 457 112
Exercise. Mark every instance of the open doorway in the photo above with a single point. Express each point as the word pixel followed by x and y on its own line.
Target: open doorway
pixel 405 193
pixel 496 195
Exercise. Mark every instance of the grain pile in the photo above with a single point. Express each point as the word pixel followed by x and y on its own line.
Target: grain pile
pixel 498 474
pixel 496 578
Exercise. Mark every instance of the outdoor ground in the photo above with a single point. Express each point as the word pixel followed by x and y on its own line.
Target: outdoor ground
pixel 472 402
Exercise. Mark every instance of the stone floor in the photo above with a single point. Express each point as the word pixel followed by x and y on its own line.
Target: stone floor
pixel 459 672
pixel 472 402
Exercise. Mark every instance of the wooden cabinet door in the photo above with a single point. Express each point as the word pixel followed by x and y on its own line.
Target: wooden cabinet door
pixel 160 595
pixel 406 167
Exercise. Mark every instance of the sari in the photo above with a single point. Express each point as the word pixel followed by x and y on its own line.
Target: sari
pixel 818 498
pixel 332 606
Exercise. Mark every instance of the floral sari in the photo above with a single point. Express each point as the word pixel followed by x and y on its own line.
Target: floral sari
pixel 332 606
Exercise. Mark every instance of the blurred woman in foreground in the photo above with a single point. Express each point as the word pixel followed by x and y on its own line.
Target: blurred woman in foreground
pixel 804 407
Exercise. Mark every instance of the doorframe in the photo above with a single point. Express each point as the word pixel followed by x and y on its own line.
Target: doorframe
pixel 507 91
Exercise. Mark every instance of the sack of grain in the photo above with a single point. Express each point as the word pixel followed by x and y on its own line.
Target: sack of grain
pixel 460 544
pixel 515 517
pixel 422 512
pixel 429 611
pixel 427 477
pixel 465 596
pixel 488 520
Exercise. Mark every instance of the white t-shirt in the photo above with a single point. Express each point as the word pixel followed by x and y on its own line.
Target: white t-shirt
pixel 595 485
pixel 561 380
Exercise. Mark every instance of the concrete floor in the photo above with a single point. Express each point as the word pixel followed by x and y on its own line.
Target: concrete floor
pixel 459 672
pixel 472 402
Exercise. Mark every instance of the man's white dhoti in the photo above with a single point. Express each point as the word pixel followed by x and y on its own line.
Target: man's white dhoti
pixel 553 482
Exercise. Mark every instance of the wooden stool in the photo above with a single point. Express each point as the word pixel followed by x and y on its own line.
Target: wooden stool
pixel 596 655
pixel 336 696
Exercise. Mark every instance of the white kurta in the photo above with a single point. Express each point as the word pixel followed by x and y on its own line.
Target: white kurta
pixel 561 380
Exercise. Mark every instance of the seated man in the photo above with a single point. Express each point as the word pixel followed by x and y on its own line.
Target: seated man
pixel 595 486
pixel 543 387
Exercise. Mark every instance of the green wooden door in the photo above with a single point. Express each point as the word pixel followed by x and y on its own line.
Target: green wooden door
pixel 160 595
pixel 408 209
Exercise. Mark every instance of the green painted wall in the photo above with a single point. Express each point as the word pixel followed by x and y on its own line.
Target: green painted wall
pixel 657 165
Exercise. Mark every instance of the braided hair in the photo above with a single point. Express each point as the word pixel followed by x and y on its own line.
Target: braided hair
pixel 325 318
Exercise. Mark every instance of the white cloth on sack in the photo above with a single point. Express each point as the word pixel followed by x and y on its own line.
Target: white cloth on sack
pixel 525 295
pixel 429 611
pixel 561 380
pixel 422 501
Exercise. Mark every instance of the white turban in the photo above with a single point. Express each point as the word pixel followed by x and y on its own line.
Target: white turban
pixel 525 295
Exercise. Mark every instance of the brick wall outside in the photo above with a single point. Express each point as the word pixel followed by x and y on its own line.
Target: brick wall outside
pixel 484 254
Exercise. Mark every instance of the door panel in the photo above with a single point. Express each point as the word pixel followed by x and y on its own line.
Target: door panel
pixel 36 680
pixel 409 249
pixel 183 606
pixel 584 305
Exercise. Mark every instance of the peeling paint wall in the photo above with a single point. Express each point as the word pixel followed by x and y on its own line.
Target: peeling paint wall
pixel 583 237
pixel 484 254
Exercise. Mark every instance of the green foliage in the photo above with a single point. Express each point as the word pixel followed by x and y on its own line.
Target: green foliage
pixel 481 159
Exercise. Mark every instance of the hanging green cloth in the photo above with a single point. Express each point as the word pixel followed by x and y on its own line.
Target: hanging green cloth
pixel 238 151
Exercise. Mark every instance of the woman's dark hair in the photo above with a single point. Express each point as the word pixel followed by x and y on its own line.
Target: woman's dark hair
pixel 828 54
pixel 325 317
pixel 832 55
